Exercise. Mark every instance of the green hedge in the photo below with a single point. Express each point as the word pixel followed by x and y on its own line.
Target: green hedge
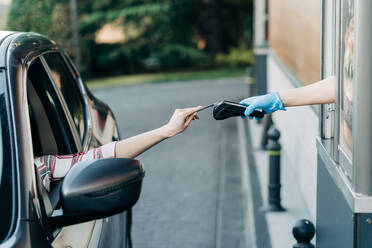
pixel 237 57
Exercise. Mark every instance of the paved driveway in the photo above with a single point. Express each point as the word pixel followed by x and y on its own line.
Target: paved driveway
pixel 182 202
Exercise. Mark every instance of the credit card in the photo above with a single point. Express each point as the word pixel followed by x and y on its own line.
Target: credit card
pixel 208 106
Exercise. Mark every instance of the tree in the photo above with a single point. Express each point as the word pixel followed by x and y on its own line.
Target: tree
pixel 159 34
pixel 49 17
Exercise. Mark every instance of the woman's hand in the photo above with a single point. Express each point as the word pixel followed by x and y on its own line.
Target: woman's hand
pixel 180 120
pixel 134 146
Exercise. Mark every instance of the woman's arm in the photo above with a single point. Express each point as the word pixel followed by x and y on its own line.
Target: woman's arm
pixel 317 93
pixel 320 92
pixel 55 167
pixel 134 146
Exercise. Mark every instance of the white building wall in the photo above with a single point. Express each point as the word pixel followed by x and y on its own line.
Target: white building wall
pixel 299 129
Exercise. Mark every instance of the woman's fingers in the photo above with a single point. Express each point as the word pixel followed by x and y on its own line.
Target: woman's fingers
pixel 188 111
pixel 180 120
pixel 188 120
pixel 190 114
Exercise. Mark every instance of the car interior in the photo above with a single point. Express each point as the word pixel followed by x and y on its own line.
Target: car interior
pixel 45 143
pixel 51 136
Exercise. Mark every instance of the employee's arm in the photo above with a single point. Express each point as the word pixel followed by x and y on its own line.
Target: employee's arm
pixel 134 146
pixel 320 92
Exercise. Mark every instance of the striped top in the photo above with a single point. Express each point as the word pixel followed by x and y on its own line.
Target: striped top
pixel 56 167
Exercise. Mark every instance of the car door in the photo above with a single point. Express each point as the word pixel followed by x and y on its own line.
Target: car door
pixel 54 132
pixel 84 125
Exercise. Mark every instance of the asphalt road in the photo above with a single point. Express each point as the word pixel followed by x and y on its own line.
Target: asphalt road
pixel 184 202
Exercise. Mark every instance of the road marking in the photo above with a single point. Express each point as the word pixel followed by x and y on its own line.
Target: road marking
pixel 249 221
pixel 221 187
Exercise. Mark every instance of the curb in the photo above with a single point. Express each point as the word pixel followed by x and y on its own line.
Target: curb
pixel 249 220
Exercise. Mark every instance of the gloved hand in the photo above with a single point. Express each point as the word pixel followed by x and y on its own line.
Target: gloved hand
pixel 268 103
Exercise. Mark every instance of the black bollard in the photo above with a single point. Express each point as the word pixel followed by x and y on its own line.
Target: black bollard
pixel 303 232
pixel 273 148
pixel 267 123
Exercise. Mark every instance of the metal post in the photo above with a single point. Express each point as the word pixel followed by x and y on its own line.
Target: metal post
pixel 260 23
pixel 260 48
pixel 75 32
pixel 303 232
pixel 267 123
pixel 273 149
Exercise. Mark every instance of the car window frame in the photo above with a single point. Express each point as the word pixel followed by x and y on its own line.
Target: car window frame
pixel 83 90
pixel 84 140
pixel 61 99
pixel 10 158
pixel 72 144
pixel 61 115
pixel 80 144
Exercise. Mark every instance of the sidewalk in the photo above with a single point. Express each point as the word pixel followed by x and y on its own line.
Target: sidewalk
pixel 272 229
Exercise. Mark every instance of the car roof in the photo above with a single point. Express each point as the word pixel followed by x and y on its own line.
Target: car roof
pixel 4 34
pixel 18 45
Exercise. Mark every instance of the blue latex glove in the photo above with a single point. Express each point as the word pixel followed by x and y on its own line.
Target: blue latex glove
pixel 268 103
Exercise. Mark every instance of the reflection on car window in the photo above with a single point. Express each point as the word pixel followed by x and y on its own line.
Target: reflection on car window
pixel 68 86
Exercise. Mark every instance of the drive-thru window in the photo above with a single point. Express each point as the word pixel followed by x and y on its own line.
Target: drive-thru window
pixel 328 147
pixel 344 178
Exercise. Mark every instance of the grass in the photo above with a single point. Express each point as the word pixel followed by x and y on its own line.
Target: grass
pixel 164 77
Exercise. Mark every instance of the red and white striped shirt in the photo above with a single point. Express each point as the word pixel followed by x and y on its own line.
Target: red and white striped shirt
pixel 56 167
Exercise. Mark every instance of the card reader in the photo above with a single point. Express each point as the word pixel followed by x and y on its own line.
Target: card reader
pixel 227 109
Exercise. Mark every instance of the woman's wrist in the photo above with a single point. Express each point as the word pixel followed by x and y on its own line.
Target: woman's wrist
pixel 166 132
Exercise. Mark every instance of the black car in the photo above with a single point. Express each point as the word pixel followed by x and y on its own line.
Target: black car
pixel 46 109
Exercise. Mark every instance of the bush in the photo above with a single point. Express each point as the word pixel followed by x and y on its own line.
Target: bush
pixel 175 56
pixel 117 59
pixel 237 57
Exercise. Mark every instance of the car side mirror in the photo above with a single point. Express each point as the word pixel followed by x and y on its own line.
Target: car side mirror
pixel 98 189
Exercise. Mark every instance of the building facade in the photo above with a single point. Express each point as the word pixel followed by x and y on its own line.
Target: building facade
pixel 328 147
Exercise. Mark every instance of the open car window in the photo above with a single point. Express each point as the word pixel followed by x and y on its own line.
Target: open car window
pixel 50 130
pixel 66 83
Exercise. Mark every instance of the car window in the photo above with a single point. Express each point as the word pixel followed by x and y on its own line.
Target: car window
pixel 68 85
pixel 7 207
pixel 50 131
